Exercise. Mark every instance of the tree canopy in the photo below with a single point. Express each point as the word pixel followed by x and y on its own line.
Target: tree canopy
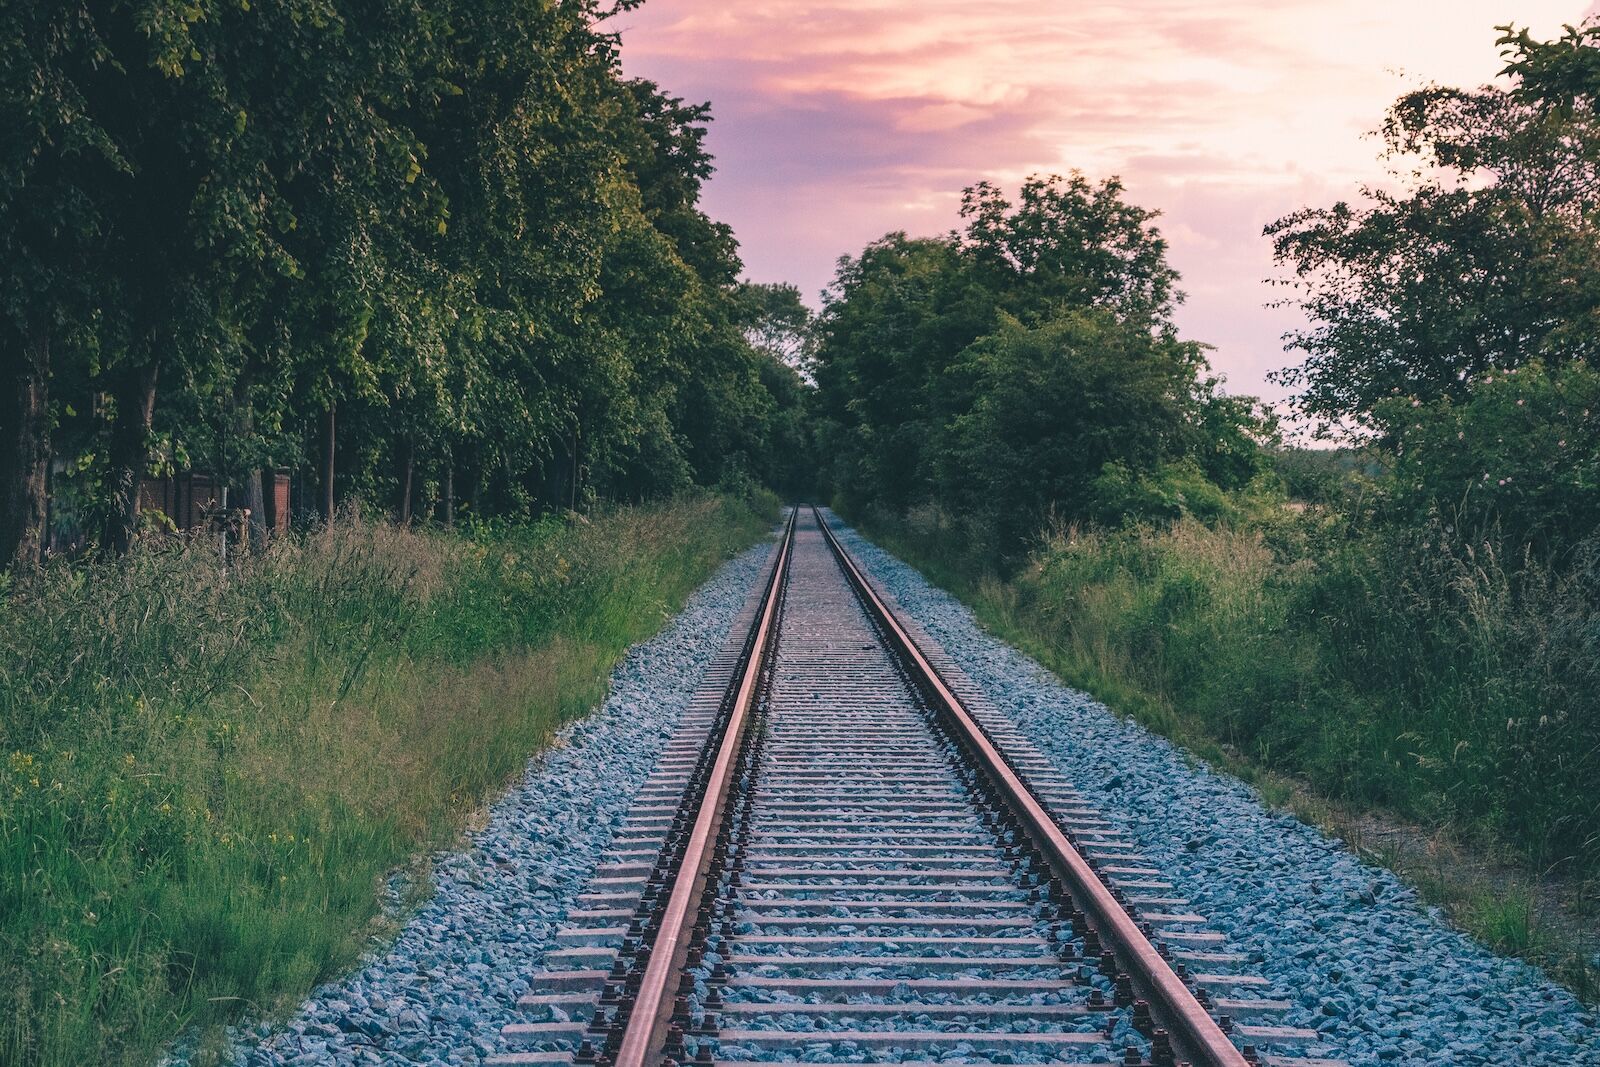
pixel 415 253
pixel 1485 260
pixel 1019 367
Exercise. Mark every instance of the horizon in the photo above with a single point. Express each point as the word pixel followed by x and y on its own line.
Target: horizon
pixel 836 123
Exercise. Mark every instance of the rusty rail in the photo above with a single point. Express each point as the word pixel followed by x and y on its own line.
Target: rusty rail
pixel 1195 1036
pixel 646 1029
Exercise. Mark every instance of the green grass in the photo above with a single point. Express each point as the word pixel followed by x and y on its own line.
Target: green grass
pixel 209 772
pixel 1415 677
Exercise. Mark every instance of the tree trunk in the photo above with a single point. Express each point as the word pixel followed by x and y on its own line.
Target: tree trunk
pixel 450 491
pixel 25 457
pixel 574 500
pixel 253 497
pixel 255 500
pixel 327 468
pixel 408 469
pixel 130 453
pixel 475 500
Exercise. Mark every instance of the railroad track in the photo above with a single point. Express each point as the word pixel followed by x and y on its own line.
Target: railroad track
pixel 847 855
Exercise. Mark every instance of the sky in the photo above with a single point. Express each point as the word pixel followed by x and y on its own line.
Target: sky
pixel 836 121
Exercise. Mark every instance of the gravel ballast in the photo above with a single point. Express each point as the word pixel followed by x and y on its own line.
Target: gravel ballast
pixel 440 993
pixel 1362 958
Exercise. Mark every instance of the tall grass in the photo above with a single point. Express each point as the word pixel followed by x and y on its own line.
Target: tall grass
pixel 208 771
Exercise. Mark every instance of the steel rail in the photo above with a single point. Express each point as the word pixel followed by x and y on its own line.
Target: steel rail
pixel 1196 1037
pixel 646 1030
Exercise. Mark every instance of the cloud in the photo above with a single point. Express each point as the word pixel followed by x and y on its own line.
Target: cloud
pixel 840 120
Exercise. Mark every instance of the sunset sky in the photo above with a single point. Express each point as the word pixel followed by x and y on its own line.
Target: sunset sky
pixel 840 120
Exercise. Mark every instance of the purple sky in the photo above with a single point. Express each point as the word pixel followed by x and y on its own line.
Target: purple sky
pixel 840 120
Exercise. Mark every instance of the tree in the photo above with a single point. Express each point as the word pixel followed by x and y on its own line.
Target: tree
pixel 777 323
pixel 1564 72
pixel 1489 261
pixel 997 371
pixel 892 322
pixel 1067 243
pixel 384 243
pixel 54 222
pixel 1044 409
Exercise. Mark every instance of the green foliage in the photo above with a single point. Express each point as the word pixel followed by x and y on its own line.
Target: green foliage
pixel 1564 71
pixel 1002 371
pixel 1518 454
pixel 1172 491
pixel 1042 412
pixel 1067 244
pixel 1486 262
pixel 207 773
pixel 451 235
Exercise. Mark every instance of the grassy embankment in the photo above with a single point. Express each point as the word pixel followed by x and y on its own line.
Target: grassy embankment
pixel 1343 675
pixel 207 773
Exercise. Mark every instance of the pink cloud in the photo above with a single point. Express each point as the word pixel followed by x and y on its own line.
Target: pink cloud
pixel 839 120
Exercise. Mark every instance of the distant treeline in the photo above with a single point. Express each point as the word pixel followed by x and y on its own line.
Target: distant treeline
pixel 427 256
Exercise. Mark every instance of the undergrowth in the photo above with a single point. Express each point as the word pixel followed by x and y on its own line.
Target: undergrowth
pixel 210 769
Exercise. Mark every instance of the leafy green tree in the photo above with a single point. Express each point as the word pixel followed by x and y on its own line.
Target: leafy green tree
pixel 1488 262
pixel 1564 71
pixel 892 323
pixel 1066 243
pixel 53 160
pixel 1000 370
pixel 777 323
pixel 1047 408
pixel 1517 455
pixel 385 244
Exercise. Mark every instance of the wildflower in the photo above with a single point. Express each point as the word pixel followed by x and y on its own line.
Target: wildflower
pixel 127 760
pixel 1502 481
pixel 1461 435
pixel 1519 403
pixel 1561 443
pixel 1418 403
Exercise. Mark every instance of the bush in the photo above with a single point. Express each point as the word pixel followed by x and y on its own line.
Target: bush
pixel 1520 454
pixel 1409 670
